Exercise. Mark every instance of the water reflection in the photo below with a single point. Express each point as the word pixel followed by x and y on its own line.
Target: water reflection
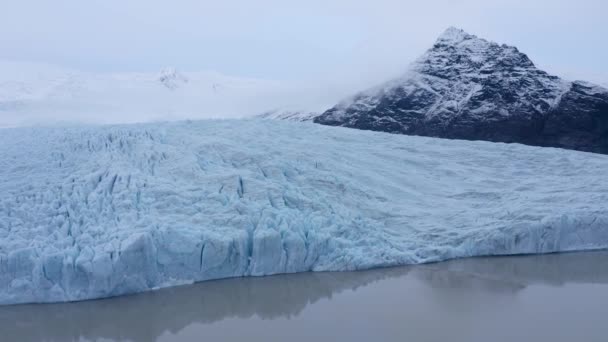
pixel 511 274
pixel 146 316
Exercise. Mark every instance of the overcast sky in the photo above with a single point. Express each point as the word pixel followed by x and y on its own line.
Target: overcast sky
pixel 294 40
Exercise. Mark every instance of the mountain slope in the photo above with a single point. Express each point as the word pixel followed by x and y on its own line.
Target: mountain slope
pixel 89 212
pixel 468 88
pixel 33 93
pixel 289 115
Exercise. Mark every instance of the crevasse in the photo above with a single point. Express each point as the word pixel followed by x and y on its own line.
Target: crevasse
pixel 89 212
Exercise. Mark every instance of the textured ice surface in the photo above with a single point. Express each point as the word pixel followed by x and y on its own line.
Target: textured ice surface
pixel 88 212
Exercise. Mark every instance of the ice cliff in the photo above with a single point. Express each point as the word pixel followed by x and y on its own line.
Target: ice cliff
pixel 89 212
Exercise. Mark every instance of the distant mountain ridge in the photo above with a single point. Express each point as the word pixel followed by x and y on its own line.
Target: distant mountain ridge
pixel 34 93
pixel 469 88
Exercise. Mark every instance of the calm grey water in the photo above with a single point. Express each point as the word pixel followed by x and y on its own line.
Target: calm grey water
pixel 532 298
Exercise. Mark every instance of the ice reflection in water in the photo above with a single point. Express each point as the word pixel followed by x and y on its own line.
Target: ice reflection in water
pixel 146 317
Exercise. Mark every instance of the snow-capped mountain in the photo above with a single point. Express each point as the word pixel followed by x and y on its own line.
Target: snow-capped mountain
pixel 32 93
pixel 466 87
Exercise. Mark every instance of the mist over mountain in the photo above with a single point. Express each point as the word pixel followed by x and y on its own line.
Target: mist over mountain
pixel 35 93
pixel 466 87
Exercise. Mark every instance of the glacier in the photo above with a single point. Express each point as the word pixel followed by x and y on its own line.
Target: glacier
pixel 97 211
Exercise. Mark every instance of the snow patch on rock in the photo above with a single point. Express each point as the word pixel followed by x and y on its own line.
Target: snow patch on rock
pixel 172 79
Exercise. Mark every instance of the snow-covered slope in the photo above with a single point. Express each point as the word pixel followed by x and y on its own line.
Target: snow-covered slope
pixel 173 79
pixel 289 115
pixel 89 212
pixel 466 87
pixel 42 94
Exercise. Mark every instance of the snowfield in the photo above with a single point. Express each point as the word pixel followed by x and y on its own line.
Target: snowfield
pixel 33 94
pixel 90 212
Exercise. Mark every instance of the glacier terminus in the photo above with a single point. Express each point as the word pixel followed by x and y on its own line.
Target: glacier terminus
pixel 97 211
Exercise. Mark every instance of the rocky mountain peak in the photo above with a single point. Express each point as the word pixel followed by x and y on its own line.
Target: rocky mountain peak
pixel 453 36
pixel 466 87
pixel 468 55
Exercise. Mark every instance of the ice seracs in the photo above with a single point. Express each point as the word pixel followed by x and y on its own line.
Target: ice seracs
pixel 466 87
pixel 91 212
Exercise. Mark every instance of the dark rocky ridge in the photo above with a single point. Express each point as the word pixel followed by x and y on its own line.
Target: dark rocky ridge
pixel 468 88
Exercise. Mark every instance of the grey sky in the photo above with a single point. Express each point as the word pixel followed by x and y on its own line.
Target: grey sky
pixel 295 40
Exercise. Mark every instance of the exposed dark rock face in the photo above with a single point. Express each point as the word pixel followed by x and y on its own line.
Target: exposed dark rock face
pixel 468 88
